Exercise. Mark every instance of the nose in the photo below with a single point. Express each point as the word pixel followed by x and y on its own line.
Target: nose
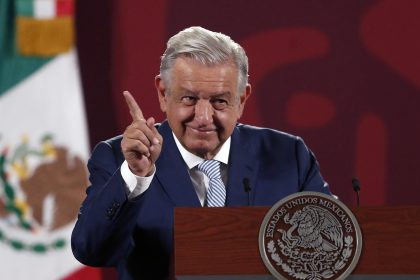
pixel 204 112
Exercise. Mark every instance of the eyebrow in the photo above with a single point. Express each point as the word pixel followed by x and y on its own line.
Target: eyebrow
pixel 225 93
pixel 214 95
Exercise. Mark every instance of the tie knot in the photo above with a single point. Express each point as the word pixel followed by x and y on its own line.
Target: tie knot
pixel 211 168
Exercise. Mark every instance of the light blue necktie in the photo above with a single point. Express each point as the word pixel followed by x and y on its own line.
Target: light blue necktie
pixel 216 194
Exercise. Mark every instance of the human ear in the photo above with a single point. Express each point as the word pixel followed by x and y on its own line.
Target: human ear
pixel 243 98
pixel 161 88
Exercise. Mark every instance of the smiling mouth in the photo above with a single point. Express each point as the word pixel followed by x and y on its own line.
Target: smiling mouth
pixel 202 130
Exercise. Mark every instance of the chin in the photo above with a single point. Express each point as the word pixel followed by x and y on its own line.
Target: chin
pixel 200 149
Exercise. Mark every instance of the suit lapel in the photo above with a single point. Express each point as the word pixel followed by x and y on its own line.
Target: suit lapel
pixel 173 175
pixel 172 172
pixel 243 163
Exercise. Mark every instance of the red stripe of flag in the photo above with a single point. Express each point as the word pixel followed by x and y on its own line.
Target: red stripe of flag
pixel 64 8
pixel 85 273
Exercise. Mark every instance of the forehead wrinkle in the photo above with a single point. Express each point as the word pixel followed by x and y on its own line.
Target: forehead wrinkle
pixel 213 94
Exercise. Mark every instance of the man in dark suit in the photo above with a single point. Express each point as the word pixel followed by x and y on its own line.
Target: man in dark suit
pixel 200 156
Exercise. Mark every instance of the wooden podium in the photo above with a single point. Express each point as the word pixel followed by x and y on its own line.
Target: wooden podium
pixel 224 241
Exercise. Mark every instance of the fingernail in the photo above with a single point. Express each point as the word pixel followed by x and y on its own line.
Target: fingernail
pixel 156 141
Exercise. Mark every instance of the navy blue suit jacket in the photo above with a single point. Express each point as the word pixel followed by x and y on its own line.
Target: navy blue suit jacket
pixel 136 235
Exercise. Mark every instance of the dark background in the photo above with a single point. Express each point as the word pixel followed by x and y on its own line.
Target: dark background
pixel 344 75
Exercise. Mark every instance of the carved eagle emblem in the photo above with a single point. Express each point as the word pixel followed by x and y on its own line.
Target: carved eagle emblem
pixel 313 228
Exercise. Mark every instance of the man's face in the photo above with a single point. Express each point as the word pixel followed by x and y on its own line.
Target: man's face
pixel 202 105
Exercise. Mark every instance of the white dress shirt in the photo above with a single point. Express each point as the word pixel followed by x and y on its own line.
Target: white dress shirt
pixel 136 185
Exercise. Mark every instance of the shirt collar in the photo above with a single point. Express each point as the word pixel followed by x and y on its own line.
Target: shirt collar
pixel 192 160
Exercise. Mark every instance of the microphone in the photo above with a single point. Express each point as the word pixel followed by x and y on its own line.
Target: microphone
pixel 247 189
pixel 356 187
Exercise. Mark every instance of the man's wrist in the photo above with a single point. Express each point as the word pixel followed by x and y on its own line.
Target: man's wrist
pixel 136 185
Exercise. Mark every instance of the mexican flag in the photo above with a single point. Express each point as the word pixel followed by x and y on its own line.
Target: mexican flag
pixel 43 139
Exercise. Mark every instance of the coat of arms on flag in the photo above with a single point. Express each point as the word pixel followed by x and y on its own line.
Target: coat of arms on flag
pixel 41 189
pixel 43 139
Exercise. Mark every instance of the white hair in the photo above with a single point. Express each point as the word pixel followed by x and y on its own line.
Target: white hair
pixel 206 47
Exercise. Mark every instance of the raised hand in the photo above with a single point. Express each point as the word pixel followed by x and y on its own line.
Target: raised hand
pixel 141 143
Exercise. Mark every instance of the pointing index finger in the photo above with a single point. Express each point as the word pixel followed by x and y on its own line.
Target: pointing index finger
pixel 134 108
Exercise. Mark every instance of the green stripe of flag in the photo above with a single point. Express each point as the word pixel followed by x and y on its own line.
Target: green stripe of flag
pixel 13 67
pixel 25 8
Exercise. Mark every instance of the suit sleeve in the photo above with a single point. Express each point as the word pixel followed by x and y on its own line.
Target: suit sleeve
pixel 310 178
pixel 102 234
